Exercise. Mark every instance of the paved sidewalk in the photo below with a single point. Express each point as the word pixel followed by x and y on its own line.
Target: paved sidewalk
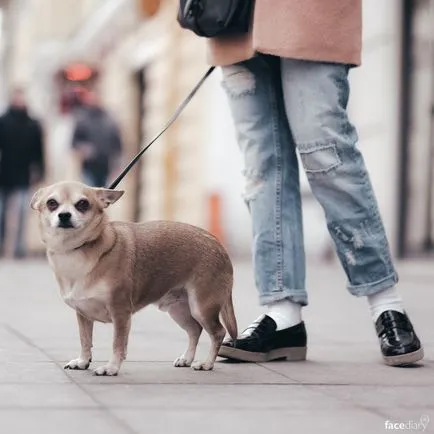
pixel 342 388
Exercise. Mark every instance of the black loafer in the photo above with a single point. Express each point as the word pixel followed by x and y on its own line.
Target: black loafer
pixel 398 341
pixel 260 342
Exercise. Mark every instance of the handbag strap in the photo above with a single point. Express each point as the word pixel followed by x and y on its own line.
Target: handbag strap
pixel 173 118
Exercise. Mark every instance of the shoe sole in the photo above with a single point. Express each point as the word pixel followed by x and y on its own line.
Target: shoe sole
pixel 404 359
pixel 292 354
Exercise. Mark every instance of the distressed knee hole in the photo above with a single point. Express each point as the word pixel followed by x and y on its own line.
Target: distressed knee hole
pixel 354 237
pixel 353 240
pixel 350 258
pixel 253 185
pixel 320 159
pixel 238 81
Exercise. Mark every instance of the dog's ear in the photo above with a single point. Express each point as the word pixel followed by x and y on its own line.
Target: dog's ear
pixel 36 199
pixel 108 197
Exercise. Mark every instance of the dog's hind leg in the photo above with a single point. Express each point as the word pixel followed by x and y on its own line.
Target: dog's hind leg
pixel 211 323
pixel 180 312
pixel 208 296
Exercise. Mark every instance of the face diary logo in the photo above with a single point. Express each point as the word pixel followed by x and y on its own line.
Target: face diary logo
pixel 411 425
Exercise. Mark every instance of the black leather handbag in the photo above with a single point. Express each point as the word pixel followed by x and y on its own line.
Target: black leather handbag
pixel 211 18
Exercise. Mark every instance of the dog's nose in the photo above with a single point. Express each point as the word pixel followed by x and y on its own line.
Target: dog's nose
pixel 64 217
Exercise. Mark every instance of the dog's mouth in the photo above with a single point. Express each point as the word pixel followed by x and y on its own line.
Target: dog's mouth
pixel 65 225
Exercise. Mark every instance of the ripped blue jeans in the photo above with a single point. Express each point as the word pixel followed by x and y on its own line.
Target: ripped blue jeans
pixel 279 107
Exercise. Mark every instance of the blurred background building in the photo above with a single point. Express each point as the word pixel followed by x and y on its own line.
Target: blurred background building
pixel 143 65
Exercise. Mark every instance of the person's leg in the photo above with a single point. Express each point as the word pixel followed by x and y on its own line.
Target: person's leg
pixel 102 179
pixel 21 198
pixel 2 221
pixel 272 191
pixel 272 194
pixel 316 96
pixel 89 178
pixel 94 178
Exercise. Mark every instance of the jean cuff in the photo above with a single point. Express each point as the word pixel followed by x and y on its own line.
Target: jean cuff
pixel 374 287
pixel 298 296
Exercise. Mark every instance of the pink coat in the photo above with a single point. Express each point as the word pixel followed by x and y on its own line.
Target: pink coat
pixel 318 30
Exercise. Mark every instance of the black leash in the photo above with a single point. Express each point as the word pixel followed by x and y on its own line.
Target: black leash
pixel 175 116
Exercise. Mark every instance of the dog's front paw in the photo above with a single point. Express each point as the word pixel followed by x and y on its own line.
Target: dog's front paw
pixel 182 362
pixel 202 366
pixel 78 364
pixel 107 370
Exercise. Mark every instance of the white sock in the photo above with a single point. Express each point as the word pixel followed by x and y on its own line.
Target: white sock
pixel 388 299
pixel 285 313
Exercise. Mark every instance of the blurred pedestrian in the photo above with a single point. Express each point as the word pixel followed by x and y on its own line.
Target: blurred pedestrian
pixel 97 142
pixel 21 166
pixel 288 89
pixel 59 138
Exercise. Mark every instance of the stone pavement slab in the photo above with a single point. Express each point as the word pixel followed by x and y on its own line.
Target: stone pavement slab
pixel 33 396
pixel 31 373
pixel 145 372
pixel 270 421
pixel 206 397
pixel 72 421
pixel 342 388
pixel 363 372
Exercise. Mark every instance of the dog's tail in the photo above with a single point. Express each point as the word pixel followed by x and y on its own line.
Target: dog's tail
pixel 228 318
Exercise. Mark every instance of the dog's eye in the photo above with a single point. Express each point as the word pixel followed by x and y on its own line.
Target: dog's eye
pixel 82 205
pixel 52 204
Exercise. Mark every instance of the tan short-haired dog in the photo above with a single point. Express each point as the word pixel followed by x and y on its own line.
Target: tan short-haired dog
pixel 109 270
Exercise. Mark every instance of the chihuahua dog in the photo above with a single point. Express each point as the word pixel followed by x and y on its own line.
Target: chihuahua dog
pixel 109 270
